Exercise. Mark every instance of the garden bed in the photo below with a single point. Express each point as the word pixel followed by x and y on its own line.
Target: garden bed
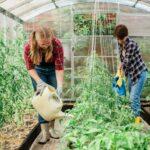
pixel 146 111
pixel 12 135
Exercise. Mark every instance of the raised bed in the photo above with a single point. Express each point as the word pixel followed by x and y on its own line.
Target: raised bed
pixel 145 114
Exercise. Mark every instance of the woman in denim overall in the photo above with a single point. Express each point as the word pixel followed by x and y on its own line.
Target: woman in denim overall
pixel 43 57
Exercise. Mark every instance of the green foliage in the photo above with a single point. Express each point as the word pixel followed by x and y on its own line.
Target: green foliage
pixel 15 87
pixel 102 120
pixel 104 24
pixel 146 90
pixel 83 24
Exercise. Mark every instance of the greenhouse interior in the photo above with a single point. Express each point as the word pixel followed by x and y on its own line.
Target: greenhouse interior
pixel 74 74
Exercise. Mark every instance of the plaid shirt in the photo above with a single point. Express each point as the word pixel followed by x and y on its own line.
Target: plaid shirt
pixel 57 58
pixel 131 60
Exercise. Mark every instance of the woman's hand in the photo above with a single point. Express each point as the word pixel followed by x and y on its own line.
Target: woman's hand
pixel 59 91
pixel 59 76
pixel 120 72
pixel 40 87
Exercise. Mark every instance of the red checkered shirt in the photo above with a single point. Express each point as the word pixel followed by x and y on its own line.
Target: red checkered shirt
pixel 57 58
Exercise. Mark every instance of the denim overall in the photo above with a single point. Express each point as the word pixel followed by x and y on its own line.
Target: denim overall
pixel 46 72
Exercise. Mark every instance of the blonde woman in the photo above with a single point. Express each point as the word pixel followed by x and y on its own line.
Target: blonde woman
pixel 43 56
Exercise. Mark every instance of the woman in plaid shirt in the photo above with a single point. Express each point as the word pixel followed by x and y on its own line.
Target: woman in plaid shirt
pixel 133 66
pixel 43 56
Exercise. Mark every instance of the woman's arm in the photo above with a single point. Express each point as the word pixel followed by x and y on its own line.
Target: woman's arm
pixel 34 75
pixel 60 77
pixel 59 65
pixel 120 66
pixel 32 72
pixel 29 64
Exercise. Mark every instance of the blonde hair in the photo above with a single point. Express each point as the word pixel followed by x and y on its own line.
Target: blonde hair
pixel 42 33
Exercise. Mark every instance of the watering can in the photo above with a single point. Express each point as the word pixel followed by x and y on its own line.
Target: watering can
pixel 48 104
pixel 119 84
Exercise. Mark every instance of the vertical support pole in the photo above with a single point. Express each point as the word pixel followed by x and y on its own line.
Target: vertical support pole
pixel 117 20
pixel 5 28
pixel 72 53
pixel 60 20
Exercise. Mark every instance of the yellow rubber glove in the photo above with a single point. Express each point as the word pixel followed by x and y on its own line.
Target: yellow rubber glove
pixel 120 75
pixel 119 82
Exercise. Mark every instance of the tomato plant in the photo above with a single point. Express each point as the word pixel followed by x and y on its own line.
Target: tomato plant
pixel 102 120
pixel 15 88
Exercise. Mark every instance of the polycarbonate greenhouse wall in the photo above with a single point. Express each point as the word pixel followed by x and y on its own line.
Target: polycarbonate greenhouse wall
pixel 61 15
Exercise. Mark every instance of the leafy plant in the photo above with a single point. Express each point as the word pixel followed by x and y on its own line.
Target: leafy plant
pixel 105 24
pixel 102 120
pixel 15 89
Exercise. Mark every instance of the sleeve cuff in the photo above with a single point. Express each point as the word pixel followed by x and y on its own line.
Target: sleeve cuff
pixel 59 67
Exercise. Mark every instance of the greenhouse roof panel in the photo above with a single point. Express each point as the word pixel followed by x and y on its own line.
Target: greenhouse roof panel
pixel 30 6
pixel 27 9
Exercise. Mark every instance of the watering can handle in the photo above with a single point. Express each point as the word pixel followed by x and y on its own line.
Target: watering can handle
pixel 40 92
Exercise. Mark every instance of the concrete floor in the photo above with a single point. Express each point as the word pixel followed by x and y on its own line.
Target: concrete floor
pixel 52 144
